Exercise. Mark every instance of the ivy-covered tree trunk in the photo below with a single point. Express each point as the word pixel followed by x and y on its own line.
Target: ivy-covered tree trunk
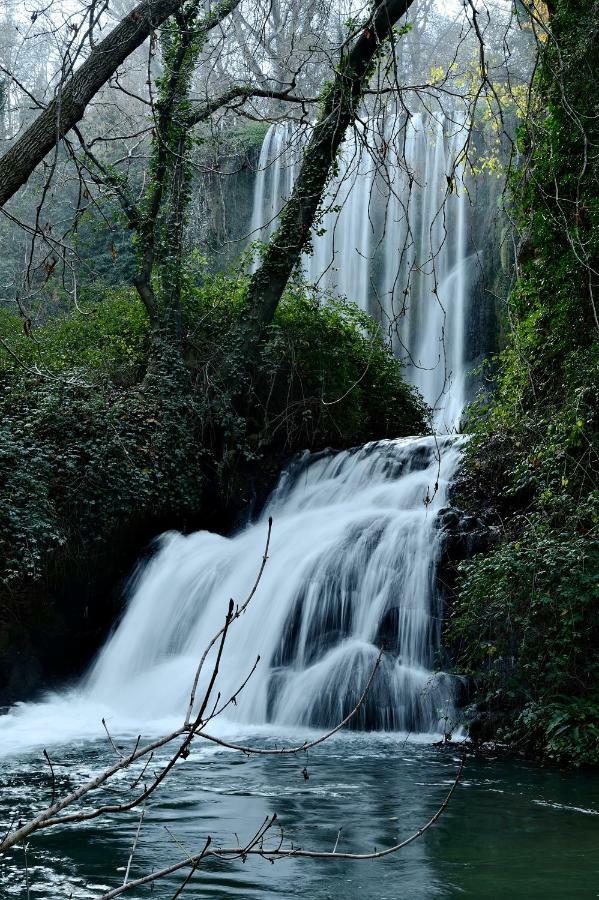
pixel 340 101
pixel 162 216
pixel 168 147
pixel 158 221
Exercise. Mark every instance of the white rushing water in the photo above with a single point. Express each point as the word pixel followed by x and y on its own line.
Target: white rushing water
pixel 351 567
pixel 393 238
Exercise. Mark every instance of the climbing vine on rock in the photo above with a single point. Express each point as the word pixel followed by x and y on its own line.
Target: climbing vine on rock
pixel 525 621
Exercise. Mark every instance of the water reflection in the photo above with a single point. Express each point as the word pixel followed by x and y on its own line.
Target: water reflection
pixel 511 829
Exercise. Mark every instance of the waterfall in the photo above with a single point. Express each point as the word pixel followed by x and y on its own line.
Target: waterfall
pixel 278 164
pixel 356 542
pixel 342 247
pixel 392 238
pixel 351 567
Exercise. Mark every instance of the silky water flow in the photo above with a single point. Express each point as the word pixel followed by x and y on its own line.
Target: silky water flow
pixel 351 568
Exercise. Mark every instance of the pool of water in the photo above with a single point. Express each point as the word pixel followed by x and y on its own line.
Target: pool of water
pixel 512 829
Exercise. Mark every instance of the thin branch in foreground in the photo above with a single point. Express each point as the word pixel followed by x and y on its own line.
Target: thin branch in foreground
pixel 133 848
pixel 275 854
pixel 49 761
pixel 240 610
pixel 185 735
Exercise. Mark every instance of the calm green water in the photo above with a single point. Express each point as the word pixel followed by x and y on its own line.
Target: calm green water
pixel 512 830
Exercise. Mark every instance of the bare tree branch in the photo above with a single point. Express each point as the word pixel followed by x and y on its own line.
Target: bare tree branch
pixel 73 97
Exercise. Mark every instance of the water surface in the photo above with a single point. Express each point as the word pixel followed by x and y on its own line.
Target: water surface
pixel 512 829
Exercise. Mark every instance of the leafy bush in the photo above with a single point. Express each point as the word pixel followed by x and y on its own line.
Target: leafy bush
pixel 83 461
pixel 108 336
pixel 324 375
pixel 88 448
pixel 526 621
pixel 568 730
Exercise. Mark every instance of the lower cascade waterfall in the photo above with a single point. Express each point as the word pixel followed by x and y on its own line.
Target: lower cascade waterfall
pixel 351 568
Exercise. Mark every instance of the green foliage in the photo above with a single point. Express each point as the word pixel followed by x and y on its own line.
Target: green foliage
pixel 109 337
pixel 527 622
pixel 338 366
pixel 90 446
pixel 568 730
pixel 82 462
pixel 247 136
pixel 104 244
pixel 324 375
pixel 540 593
pixel 28 528
pixel 526 617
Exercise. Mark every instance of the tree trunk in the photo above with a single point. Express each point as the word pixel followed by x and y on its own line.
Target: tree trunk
pixel 340 102
pixel 73 97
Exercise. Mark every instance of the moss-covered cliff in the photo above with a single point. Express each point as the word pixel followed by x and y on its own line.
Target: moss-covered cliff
pixel 526 619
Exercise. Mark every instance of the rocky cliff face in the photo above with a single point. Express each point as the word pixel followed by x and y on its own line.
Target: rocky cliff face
pixel 465 533
pixel 222 201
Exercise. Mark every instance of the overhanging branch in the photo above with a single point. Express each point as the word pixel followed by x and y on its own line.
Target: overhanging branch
pixel 74 95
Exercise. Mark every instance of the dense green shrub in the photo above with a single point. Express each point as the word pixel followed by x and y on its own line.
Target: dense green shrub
pixel 81 461
pixel 89 447
pixel 108 336
pixel 528 624
pixel 526 619
pixel 324 376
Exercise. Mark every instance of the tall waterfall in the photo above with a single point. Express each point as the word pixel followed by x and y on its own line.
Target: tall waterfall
pixel 393 238
pixel 351 568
